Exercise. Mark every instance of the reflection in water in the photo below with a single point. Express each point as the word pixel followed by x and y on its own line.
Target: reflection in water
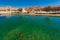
pixel 47 20
pixel 20 17
pixel 29 28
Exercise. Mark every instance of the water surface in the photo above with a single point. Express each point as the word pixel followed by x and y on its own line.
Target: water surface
pixel 29 28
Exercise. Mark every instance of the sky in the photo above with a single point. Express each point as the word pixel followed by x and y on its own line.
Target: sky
pixel 28 3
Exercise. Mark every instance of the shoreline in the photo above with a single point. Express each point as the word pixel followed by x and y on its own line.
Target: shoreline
pixel 31 14
pixel 42 14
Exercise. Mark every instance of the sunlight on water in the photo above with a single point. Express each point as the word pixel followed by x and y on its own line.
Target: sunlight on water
pixel 29 28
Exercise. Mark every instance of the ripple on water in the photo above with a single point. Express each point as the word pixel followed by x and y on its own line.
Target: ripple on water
pixel 31 28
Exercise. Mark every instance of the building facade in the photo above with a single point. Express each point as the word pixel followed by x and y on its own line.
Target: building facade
pixel 8 9
pixel 52 8
pixel 32 9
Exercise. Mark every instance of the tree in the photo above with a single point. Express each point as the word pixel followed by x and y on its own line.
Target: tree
pixel 47 8
pixel 20 9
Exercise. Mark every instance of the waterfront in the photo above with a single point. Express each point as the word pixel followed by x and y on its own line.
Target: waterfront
pixel 24 27
pixel 31 14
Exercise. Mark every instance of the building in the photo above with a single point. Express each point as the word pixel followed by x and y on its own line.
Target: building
pixel 8 9
pixel 52 8
pixel 32 9
pixel 55 8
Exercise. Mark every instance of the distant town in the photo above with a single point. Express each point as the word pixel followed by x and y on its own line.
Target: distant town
pixel 30 10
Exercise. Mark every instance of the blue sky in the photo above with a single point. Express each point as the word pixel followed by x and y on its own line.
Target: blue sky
pixel 26 3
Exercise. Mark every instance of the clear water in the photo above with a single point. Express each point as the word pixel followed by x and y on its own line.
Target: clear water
pixel 29 28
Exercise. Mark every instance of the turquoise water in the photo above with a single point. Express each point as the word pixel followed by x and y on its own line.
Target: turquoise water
pixel 29 28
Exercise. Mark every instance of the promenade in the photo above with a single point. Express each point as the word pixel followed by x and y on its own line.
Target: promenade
pixel 42 14
pixel 33 14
